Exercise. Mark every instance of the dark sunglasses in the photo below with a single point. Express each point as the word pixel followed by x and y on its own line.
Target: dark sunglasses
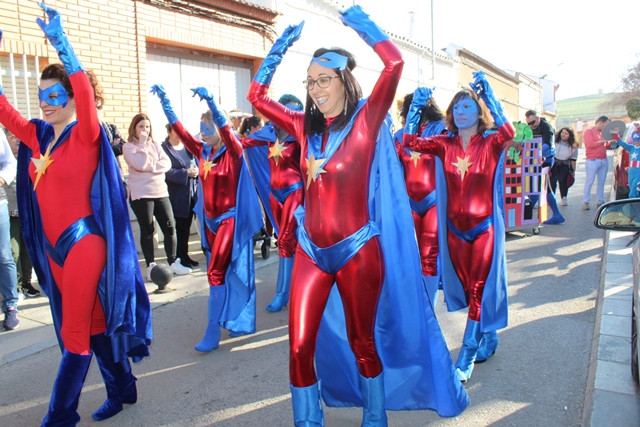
pixel 531 123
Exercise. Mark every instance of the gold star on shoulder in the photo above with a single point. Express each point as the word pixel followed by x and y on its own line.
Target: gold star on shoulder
pixel 463 166
pixel 206 167
pixel 415 156
pixel 42 164
pixel 314 168
pixel 276 150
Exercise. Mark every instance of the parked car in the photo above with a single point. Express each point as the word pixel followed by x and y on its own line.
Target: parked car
pixel 624 215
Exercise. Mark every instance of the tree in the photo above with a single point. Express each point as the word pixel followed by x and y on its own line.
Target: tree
pixel 633 108
pixel 631 82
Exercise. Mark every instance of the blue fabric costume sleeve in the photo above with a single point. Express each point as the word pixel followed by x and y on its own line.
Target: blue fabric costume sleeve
pixel 357 19
pixel 123 296
pixel 276 53
pixel 421 376
pixel 58 38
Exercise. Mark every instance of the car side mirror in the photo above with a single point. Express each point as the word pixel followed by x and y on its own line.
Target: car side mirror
pixel 621 215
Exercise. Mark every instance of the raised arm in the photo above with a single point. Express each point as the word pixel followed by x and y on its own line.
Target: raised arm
pixel 384 90
pixel 410 137
pixel 220 120
pixel 482 87
pixel 192 143
pixel 291 121
pixel 88 123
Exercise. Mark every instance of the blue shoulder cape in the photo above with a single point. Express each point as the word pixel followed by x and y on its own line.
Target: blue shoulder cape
pixel 417 367
pixel 494 310
pixel 121 289
pixel 239 310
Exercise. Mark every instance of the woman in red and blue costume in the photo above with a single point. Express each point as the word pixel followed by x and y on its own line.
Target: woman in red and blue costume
pixel 351 226
pixel 230 216
pixel 473 252
pixel 281 166
pixel 424 179
pixel 78 235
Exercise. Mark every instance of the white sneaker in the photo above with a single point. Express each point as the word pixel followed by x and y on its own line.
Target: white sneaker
pixel 564 201
pixel 179 269
pixel 153 264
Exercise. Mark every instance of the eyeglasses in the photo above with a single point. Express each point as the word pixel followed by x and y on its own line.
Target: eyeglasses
pixel 532 122
pixel 322 82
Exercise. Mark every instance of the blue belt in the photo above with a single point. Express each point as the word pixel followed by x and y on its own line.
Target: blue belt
pixel 471 235
pixel 332 258
pixel 282 194
pixel 424 205
pixel 214 223
pixel 70 236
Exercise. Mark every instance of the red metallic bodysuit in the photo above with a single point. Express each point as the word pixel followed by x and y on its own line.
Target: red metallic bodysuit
pixel 63 194
pixel 469 176
pixel 219 184
pixel 284 166
pixel 420 179
pixel 336 207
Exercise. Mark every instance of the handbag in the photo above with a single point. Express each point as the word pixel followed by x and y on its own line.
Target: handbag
pixel 570 180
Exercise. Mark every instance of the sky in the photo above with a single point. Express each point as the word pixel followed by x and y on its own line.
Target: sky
pixel 584 46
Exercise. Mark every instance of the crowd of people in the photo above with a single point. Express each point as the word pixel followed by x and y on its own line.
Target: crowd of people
pixel 369 224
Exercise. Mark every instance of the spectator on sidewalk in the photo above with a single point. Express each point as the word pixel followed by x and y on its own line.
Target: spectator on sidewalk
pixel 8 277
pixel 18 247
pixel 596 164
pixel 565 162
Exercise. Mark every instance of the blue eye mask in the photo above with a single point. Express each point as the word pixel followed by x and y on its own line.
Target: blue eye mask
pixel 331 60
pixel 54 95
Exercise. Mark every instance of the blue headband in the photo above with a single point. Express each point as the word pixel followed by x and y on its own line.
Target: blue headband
pixel 331 60
pixel 61 96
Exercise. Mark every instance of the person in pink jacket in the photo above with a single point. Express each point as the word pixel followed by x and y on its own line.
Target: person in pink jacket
pixel 596 164
pixel 148 194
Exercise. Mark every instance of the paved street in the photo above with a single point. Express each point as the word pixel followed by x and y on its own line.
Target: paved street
pixel 539 376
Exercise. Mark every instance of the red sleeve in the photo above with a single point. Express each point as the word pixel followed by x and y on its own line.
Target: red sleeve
pixel 194 146
pixel 88 127
pixel 428 145
pixel 291 121
pixel 249 142
pixel 230 139
pixel 24 130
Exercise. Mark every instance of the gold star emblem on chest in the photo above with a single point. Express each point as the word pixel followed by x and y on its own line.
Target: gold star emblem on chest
pixel 276 150
pixel 314 168
pixel 206 167
pixel 463 166
pixel 415 157
pixel 42 164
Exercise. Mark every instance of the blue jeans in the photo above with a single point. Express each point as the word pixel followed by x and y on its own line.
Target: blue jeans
pixel 8 274
pixel 595 168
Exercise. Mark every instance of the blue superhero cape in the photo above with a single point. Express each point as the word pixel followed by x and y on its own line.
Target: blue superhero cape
pixel 417 367
pixel 494 311
pixel 239 310
pixel 121 288
pixel 258 161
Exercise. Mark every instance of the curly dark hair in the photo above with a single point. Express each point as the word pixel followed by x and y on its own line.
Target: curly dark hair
pixel 572 136
pixel 484 118
pixel 430 113
pixel 57 72
pixel 248 123
pixel 314 121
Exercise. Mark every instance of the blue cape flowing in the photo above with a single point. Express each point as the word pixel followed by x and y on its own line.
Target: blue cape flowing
pixel 239 310
pixel 494 310
pixel 258 161
pixel 417 367
pixel 121 288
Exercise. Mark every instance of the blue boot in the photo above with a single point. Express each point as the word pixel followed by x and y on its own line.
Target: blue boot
pixel 557 217
pixel 66 390
pixel 373 414
pixel 488 346
pixel 307 407
pixel 118 379
pixel 282 288
pixel 467 354
pixel 211 338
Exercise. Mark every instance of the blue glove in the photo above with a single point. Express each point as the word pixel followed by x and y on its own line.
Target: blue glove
pixel 482 87
pixel 357 19
pixel 219 119
pixel 56 35
pixel 166 104
pixel 274 57
pixel 420 98
pixel 1 90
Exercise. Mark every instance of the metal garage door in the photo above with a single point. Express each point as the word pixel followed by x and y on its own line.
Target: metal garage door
pixel 227 80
